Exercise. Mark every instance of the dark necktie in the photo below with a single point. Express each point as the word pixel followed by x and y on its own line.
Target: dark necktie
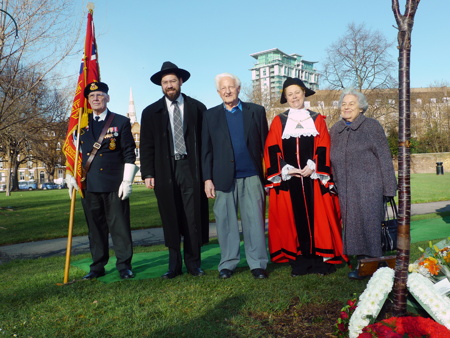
pixel 180 147
pixel 96 128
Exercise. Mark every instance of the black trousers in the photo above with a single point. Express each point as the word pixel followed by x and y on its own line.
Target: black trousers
pixel 184 192
pixel 107 214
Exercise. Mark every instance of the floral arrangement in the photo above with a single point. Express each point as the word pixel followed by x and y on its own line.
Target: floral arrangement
pixel 371 300
pixel 398 327
pixel 435 261
pixel 341 326
pixel 437 305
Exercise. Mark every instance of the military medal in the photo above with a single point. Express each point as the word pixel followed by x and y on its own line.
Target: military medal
pixel 112 144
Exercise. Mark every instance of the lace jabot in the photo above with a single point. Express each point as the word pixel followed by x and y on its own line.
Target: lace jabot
pixel 299 123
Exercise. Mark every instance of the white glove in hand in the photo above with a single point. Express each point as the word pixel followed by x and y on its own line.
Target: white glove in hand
pixel 71 184
pixel 125 190
pixel 128 176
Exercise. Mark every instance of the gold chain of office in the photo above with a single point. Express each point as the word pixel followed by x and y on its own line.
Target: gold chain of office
pixel 299 121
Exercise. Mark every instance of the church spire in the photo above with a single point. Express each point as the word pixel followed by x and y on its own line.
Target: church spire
pixel 131 109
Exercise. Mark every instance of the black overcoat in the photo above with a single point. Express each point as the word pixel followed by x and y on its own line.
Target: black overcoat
pixel 156 148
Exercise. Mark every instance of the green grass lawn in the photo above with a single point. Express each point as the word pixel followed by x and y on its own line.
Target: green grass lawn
pixel 38 215
pixel 430 188
pixel 33 305
pixel 27 216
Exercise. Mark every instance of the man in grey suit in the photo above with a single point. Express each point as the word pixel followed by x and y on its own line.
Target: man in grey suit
pixel 233 139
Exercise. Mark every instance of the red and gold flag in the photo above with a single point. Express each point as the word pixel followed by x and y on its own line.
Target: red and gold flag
pixel 89 72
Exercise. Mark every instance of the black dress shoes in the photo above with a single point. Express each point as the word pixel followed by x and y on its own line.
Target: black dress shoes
pixel 260 273
pixel 171 274
pixel 94 274
pixel 197 272
pixel 126 274
pixel 225 273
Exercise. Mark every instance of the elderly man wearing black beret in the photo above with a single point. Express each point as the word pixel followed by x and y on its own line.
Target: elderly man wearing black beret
pixel 108 153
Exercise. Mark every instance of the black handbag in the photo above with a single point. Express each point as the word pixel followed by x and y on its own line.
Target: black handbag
pixel 389 226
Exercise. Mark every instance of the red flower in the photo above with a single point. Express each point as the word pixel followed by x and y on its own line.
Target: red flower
pixel 341 327
pixel 344 315
pixel 351 302
pixel 411 326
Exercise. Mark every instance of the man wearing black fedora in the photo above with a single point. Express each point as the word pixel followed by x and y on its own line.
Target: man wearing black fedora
pixel 170 147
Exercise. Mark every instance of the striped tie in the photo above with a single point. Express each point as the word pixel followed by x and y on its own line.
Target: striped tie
pixel 180 147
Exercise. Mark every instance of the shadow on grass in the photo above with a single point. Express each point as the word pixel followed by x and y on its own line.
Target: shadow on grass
pixel 444 213
pixel 217 322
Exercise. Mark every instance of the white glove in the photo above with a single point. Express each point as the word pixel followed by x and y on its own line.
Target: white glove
pixel 71 184
pixel 128 176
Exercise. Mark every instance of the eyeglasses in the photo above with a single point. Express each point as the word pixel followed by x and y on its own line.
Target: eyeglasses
pixel 167 82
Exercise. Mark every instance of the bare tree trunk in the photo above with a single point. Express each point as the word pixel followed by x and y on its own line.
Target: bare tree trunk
pixel 405 25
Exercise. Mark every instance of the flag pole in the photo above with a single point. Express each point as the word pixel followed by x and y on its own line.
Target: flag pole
pixel 90 7
pixel 72 204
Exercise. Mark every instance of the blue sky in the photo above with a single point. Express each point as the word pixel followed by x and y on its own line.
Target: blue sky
pixel 209 37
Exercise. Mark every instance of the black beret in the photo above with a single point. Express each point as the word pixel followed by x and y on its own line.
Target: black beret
pixel 95 87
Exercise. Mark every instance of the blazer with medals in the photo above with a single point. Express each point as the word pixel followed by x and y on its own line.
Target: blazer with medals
pixel 156 145
pixel 217 149
pixel 117 148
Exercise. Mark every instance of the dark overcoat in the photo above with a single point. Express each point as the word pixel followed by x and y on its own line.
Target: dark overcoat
pixel 117 148
pixel 156 150
pixel 363 172
pixel 218 156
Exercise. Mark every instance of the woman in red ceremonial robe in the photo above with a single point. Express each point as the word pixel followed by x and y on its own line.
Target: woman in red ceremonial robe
pixel 304 217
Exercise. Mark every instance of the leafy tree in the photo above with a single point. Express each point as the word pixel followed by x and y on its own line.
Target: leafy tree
pixel 392 138
pixel 434 140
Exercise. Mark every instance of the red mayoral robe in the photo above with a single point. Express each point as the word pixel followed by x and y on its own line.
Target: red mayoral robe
pixel 304 216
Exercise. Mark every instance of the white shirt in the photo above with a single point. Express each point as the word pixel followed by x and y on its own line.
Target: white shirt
pixel 102 116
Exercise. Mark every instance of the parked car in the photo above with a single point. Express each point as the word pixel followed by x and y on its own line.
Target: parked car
pixel 51 185
pixel 27 186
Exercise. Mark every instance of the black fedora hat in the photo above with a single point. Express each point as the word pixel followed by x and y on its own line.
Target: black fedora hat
pixel 169 68
pixel 95 87
pixel 295 81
